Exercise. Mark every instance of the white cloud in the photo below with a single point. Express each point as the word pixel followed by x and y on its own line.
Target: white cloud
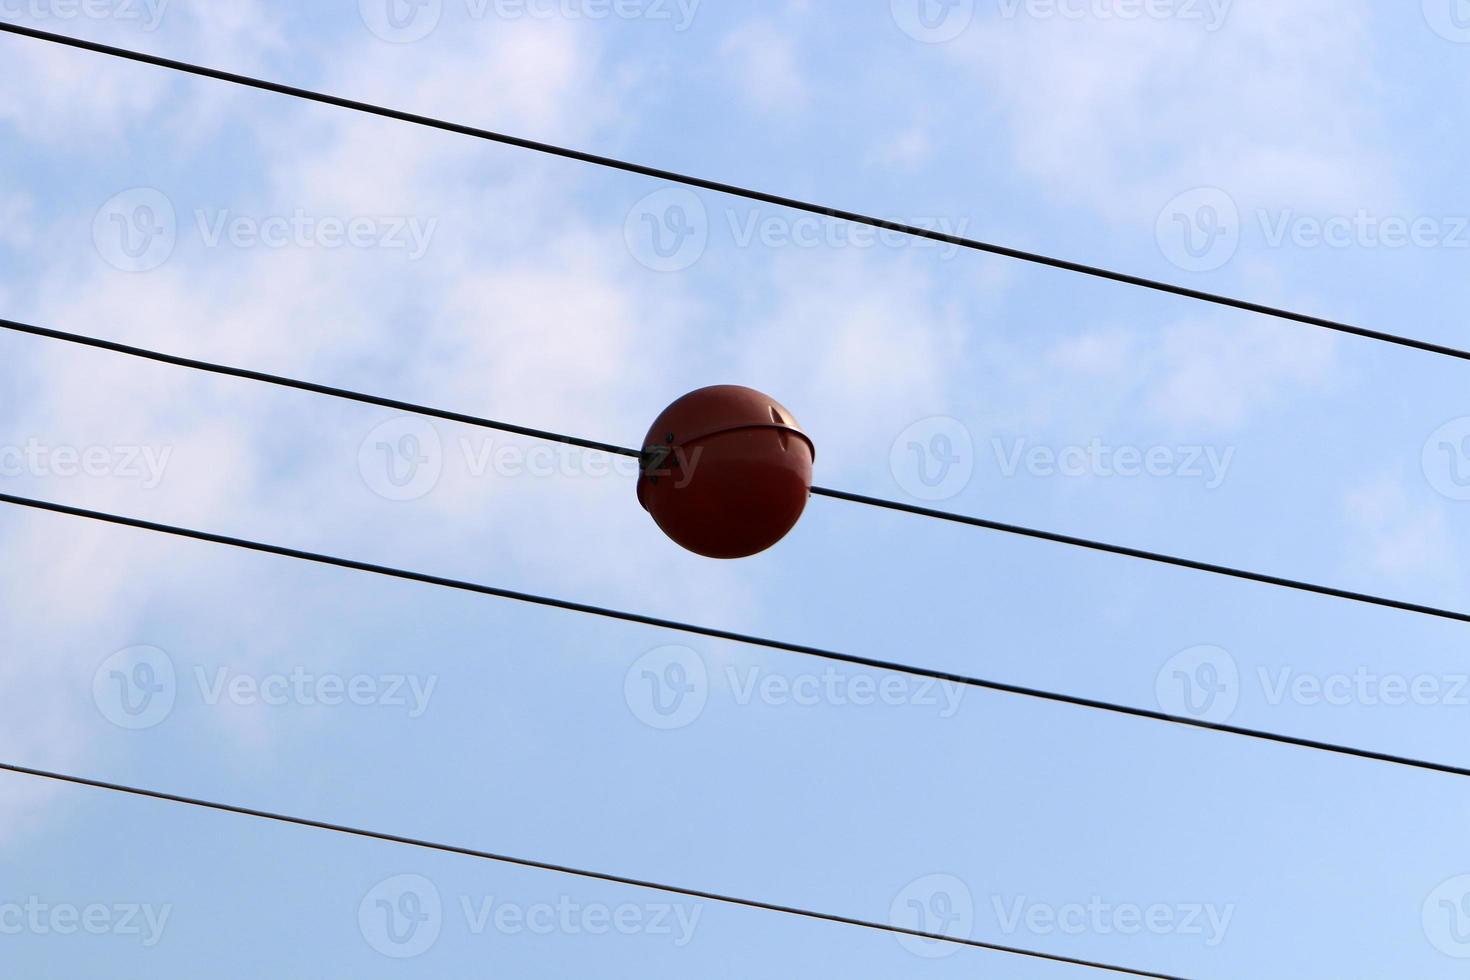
pixel 543 326
pixel 16 223
pixel 907 149
pixel 1393 537
pixel 75 96
pixel 1220 375
pixel 1121 115
pixel 843 348
pixel 80 97
pixel 764 66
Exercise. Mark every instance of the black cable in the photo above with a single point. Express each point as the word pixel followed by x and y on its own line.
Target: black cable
pixel 311 386
pixel 980 522
pixel 1153 556
pixel 720 634
pixel 576 872
pixel 732 189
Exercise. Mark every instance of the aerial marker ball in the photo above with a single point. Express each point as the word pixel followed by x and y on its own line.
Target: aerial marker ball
pixel 726 471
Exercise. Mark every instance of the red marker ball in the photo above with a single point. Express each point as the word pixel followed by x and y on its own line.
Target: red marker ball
pixel 726 471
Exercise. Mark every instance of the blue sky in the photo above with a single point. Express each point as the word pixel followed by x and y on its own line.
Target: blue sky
pixel 1308 154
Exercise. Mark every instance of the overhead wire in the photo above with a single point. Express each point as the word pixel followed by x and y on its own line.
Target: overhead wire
pixel 1054 537
pixel 575 872
pixel 821 653
pixel 763 197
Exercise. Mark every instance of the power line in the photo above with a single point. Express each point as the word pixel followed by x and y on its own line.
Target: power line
pixel 1143 555
pixel 575 872
pixel 913 509
pixel 720 634
pixel 308 386
pixel 734 190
